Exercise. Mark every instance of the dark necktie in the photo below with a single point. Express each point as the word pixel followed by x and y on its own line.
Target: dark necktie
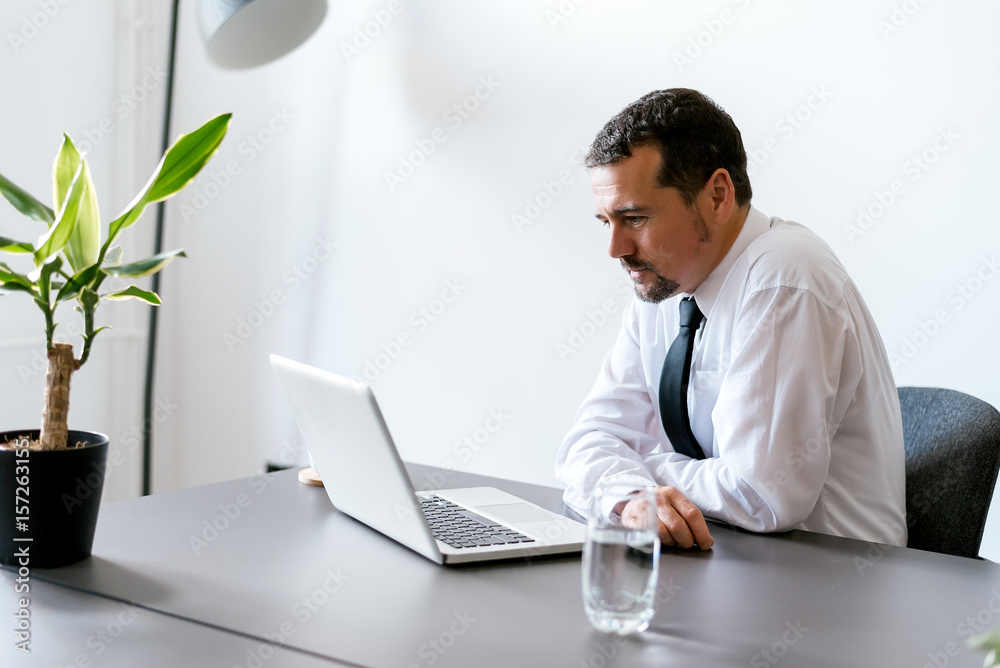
pixel 674 384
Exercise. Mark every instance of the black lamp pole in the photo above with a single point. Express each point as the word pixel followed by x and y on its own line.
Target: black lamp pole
pixel 154 311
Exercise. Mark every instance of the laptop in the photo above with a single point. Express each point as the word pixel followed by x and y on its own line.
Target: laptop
pixel 364 477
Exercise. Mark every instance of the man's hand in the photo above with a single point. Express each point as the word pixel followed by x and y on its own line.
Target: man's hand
pixel 679 522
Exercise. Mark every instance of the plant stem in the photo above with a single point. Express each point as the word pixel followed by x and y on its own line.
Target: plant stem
pixel 55 409
pixel 88 334
pixel 50 327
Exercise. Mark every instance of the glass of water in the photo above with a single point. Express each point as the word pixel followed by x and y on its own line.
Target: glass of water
pixel 621 559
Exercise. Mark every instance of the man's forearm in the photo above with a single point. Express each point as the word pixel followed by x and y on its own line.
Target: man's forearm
pixel 718 492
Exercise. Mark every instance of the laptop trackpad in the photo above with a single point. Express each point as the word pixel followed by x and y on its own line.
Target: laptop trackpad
pixel 516 513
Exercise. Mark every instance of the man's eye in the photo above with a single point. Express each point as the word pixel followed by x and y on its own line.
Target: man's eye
pixel 634 220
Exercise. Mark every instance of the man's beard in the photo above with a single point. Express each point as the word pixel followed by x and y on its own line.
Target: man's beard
pixel 661 287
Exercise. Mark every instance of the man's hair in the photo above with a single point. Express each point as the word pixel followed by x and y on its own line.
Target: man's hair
pixel 694 135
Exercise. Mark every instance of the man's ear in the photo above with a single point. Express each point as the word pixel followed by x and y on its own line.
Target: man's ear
pixel 722 193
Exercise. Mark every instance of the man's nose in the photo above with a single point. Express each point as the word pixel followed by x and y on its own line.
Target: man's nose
pixel 621 243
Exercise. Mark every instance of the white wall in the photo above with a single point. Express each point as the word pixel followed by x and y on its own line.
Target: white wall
pixel 329 126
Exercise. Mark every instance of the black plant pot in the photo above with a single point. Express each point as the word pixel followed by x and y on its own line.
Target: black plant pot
pixel 49 508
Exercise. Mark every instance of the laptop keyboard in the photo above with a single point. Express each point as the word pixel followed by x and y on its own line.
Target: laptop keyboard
pixel 461 528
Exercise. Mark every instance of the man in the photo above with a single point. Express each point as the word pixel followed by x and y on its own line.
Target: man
pixel 787 417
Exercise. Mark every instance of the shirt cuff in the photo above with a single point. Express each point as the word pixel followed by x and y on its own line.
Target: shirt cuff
pixel 579 500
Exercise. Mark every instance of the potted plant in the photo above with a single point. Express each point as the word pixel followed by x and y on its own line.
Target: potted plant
pixel 51 478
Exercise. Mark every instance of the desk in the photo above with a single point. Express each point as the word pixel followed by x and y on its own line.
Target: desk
pixel 72 628
pixel 223 568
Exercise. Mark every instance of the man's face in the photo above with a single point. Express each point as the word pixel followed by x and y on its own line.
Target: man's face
pixel 665 245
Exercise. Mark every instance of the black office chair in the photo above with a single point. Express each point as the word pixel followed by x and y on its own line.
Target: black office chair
pixel 952 443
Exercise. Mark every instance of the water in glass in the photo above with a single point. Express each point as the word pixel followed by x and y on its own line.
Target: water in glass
pixel 620 566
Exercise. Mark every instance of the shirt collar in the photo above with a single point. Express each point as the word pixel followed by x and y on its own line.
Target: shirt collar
pixel 705 294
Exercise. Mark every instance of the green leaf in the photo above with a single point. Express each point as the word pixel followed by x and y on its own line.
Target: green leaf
pixel 145 267
pixel 53 241
pixel 177 168
pixel 11 246
pixel 25 203
pixel 187 156
pixel 10 286
pixel 132 292
pixel 64 170
pixel 79 281
pixel 11 280
pixel 85 241
pixel 44 279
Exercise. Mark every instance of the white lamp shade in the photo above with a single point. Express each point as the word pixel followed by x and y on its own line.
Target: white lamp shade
pixel 247 33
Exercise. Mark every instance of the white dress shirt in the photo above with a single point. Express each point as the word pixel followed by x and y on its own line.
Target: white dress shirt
pixel 791 397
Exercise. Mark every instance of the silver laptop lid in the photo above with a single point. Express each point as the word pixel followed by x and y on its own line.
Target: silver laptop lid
pixel 353 452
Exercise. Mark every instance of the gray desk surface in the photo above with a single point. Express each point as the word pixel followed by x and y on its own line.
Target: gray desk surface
pixel 80 630
pixel 267 557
